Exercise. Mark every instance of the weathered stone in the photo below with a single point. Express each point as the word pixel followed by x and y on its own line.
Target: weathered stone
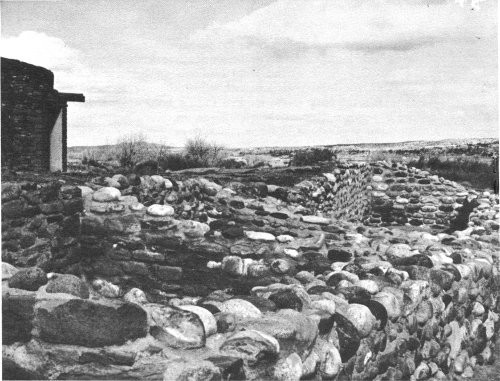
pixel 158 210
pixel 106 289
pixel 310 365
pixel 399 250
pixel 443 278
pixel 391 304
pixel 128 224
pixel 191 370
pixel 89 323
pixel 316 220
pixel 361 317
pixel 106 194
pixel 10 191
pixel 175 327
pixel 369 285
pixel 135 295
pixel 68 284
pixel 294 331
pixel 8 271
pixel 339 255
pixel 30 279
pixel 324 305
pixel 240 308
pixel 231 368
pixel 251 345
pixel 233 232
pixel 260 236
pixel 417 259
pixel 330 361
pixel 286 299
pixel 206 317
pixel 289 368
pixel 17 315
pixel 167 273
pixel 348 335
pixel 233 265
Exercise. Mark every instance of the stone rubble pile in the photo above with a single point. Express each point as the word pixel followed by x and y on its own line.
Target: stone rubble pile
pixel 191 279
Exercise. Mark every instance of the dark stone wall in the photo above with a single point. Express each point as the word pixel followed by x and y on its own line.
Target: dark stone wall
pixel 30 106
pixel 41 224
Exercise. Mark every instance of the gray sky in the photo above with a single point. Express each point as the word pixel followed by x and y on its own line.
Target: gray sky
pixel 264 73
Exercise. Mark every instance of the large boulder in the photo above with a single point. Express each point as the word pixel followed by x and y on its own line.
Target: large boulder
pixel 175 327
pixel 89 323
pixel 295 332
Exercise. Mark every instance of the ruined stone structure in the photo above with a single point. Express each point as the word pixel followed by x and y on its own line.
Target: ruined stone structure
pixel 34 118
pixel 248 276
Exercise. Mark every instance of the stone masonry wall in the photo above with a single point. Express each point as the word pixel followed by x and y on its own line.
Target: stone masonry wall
pixel 41 224
pixel 126 244
pixel 233 286
pixel 341 194
pixel 402 195
pixel 29 107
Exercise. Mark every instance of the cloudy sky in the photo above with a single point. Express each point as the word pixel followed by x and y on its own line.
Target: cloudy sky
pixel 263 72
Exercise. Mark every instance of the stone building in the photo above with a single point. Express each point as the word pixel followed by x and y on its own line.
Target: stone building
pixel 34 118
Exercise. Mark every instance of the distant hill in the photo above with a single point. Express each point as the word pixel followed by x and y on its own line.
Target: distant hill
pixel 107 147
pixel 361 146
pixel 399 146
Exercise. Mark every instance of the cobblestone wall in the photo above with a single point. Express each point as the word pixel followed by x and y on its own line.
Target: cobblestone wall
pixel 41 224
pixel 249 285
pixel 402 195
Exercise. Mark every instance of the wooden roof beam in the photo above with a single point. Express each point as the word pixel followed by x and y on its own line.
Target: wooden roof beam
pixel 72 97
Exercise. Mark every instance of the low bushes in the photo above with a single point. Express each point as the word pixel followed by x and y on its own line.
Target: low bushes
pixel 480 174
pixel 176 162
pixel 312 156
pixel 133 150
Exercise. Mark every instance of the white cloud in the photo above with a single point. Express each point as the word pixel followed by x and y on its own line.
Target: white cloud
pixel 352 24
pixel 40 49
pixel 71 70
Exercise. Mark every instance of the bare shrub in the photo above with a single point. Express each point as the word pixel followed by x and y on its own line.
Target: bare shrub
pixel 204 154
pixel 90 156
pixel 133 149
